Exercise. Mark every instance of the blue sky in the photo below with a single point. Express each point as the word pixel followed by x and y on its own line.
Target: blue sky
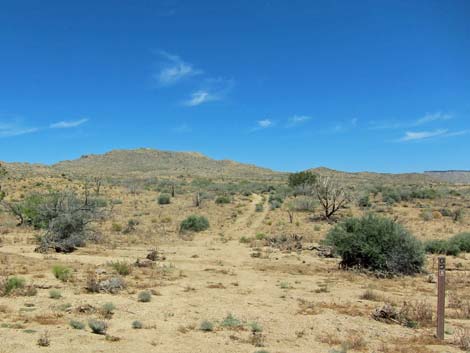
pixel 351 85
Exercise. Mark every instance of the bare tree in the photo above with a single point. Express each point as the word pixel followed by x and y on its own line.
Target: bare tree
pixel 197 200
pixel 331 194
pixel 98 182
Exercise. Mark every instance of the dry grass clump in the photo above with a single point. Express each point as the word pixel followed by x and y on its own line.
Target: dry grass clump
pixel 412 314
pixel 462 339
pixel 308 307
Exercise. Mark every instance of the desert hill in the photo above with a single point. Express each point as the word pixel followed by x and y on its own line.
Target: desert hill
pixel 451 176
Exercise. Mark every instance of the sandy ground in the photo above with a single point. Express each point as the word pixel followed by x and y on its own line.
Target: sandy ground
pixel 303 303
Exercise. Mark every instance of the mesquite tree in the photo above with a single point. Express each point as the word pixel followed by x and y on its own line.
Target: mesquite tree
pixel 331 194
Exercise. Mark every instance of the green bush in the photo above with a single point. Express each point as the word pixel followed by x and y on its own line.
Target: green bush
pixel 462 241
pixel 223 199
pixel 259 207
pixel 11 284
pixel 454 246
pixel 442 247
pixel 164 199
pixel 98 327
pixel 55 294
pixel 364 202
pixel 62 273
pixel 144 297
pixel 302 179
pixel 121 267
pixel 194 223
pixel 137 325
pixel 77 325
pixel 377 244
pixel 206 326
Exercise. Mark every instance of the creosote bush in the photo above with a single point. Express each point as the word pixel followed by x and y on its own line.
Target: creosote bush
pixel 77 325
pixel 137 325
pixel 121 267
pixel 223 199
pixel 454 246
pixel 62 273
pixel 194 223
pixel 144 297
pixel 206 326
pixel 164 199
pixel 377 244
pixel 98 327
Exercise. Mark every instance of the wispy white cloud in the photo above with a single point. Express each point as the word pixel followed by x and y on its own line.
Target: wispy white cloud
pixel 9 131
pixel 297 120
pixel 427 135
pixel 265 123
pixel 199 97
pixel 14 126
pixel 174 70
pixel 68 124
pixel 428 118
pixel 394 125
pixel 212 89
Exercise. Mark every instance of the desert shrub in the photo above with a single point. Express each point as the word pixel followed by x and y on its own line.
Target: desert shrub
pixel 137 325
pixel 302 204
pixel 426 215
pixel 223 199
pixel 107 310
pixel 164 199
pixel 98 327
pixel 131 226
pixel 62 273
pixel 231 321
pixel 259 207
pixel 364 202
pixel 256 327
pixel 462 241
pixel 275 201
pixel 459 215
pixel 144 297
pixel 440 246
pixel 391 196
pixel 423 194
pixel 377 244
pixel 111 285
pixel 121 267
pixel 194 223
pixel 454 246
pixel 55 294
pixel 77 325
pixel 43 340
pixel 206 326
pixel 304 178
pixel 115 227
pixel 67 218
pixel 11 284
pixel 445 212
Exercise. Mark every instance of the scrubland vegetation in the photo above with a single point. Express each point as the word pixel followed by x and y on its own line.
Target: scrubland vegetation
pixel 306 262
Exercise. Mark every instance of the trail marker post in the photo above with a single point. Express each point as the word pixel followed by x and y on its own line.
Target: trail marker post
pixel 441 296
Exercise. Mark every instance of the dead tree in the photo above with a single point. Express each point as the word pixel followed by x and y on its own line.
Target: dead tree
pixel 197 200
pixel 98 182
pixel 331 195
pixel 290 213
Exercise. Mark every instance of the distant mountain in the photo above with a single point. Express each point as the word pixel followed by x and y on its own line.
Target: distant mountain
pixel 451 176
pixel 150 162
pixel 145 162
pixel 370 177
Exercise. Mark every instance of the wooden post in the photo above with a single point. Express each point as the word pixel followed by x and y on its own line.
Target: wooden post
pixel 441 297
